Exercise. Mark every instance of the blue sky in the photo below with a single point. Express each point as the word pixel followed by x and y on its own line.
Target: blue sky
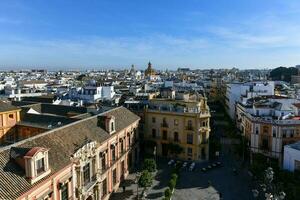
pixel 171 33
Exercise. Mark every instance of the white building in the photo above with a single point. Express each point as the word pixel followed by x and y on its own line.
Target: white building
pixel 135 89
pixel 291 158
pixel 36 84
pixel 241 92
pixel 169 83
pixel 108 92
pixel 92 94
pixel 18 93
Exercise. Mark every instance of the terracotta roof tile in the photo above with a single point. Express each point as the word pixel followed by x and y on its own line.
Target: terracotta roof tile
pixel 4 107
pixel 62 143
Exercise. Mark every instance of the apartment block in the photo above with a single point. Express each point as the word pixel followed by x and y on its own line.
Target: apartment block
pixel 181 122
pixel 269 123
pixel 241 92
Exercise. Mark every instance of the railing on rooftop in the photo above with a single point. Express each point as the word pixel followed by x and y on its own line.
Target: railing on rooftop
pixel 271 120
pixel 178 110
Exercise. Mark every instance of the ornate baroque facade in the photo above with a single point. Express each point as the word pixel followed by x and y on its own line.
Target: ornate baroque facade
pixel 83 160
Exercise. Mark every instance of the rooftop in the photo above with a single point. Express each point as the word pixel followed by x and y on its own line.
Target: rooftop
pixel 5 107
pixel 295 146
pixel 62 142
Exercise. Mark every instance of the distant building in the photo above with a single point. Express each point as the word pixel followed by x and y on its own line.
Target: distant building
pixel 183 69
pixel 35 84
pixel 39 71
pixel 241 92
pixel 92 94
pixel 132 71
pixel 17 93
pixel 150 71
pixel 295 79
pixel 169 84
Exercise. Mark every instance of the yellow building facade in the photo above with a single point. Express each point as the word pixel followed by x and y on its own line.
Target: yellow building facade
pixel 185 123
pixel 9 116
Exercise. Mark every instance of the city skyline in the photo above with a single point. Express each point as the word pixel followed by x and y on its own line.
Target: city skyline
pixel 171 34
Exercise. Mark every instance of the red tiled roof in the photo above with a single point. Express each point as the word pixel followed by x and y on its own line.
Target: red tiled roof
pixel 34 150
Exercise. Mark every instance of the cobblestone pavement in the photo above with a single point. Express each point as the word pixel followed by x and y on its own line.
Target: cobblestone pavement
pixel 195 185
pixel 214 184
pixel 218 183
pixel 130 189
pixel 160 182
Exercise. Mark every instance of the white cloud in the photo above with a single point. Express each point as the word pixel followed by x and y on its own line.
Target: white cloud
pixel 246 40
pixel 101 51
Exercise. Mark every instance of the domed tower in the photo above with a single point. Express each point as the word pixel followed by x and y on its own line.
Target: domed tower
pixel 149 71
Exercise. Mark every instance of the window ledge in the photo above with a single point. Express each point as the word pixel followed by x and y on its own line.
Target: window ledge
pixel 40 176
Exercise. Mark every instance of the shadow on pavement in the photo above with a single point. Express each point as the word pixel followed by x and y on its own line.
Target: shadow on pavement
pixel 122 195
pixel 155 195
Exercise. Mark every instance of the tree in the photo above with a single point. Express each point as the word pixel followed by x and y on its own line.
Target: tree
pixel 81 77
pixel 145 179
pixel 174 176
pixel 283 73
pixel 175 149
pixel 271 190
pixel 172 184
pixel 149 165
pixel 167 193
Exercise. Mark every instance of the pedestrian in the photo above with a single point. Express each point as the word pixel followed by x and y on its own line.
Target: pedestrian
pixel 123 188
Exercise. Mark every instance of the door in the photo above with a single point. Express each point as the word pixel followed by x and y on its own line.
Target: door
pixel 164 148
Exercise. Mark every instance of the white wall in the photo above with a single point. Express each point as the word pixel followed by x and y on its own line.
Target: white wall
pixel 233 93
pixel 290 155
pixel 168 83
pixel 108 92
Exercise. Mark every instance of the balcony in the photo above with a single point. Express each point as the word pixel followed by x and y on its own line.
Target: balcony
pixel 88 184
pixel 204 128
pixel 104 169
pixel 169 139
pixel 178 110
pixel 173 140
pixel 204 141
pixel 189 128
pixel 164 125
